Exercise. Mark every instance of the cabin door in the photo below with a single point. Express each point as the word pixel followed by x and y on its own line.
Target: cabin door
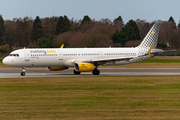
pixel 60 55
pixel 100 55
pixel 27 55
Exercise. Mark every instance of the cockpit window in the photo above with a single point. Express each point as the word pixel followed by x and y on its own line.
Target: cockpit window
pixel 15 55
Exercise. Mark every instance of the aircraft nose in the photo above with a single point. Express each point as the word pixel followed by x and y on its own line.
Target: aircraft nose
pixel 6 61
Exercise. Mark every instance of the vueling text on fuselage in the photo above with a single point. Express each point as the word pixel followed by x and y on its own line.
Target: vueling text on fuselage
pixel 42 51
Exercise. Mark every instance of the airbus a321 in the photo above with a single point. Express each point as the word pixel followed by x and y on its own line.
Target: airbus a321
pixel 85 59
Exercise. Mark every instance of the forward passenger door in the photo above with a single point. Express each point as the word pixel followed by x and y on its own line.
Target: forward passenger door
pixel 60 54
pixel 27 55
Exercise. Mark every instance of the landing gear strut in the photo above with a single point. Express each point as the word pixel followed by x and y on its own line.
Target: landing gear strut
pixel 23 71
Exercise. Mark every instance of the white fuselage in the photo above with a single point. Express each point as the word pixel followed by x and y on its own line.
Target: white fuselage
pixel 66 57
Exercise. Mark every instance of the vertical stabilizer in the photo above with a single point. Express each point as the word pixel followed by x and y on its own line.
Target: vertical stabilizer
pixel 151 38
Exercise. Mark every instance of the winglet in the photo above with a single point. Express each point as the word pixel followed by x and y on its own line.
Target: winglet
pixel 62 45
pixel 150 50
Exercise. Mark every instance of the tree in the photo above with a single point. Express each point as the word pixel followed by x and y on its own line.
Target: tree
pixel 6 48
pixel 98 35
pixel 63 25
pixel 9 32
pixel 2 29
pixel 66 22
pixel 45 42
pixel 118 19
pixel 118 22
pixel 119 37
pixel 179 24
pixel 37 29
pixel 22 32
pixel 172 20
pixel 86 19
pixel 131 30
pixel 49 25
pixel 166 34
pixel 143 27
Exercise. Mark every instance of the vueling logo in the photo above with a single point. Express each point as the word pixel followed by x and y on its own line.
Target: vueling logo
pixel 50 51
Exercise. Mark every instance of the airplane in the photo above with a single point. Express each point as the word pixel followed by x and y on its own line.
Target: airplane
pixel 85 59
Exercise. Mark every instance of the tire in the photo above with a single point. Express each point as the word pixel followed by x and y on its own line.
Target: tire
pixel 23 73
pixel 76 72
pixel 95 72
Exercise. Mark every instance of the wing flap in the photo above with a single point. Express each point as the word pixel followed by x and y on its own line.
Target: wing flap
pixel 112 59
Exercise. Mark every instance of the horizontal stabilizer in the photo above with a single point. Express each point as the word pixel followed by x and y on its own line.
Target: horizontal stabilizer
pixel 162 51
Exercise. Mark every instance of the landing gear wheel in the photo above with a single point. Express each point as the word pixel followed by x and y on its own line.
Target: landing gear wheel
pixel 23 73
pixel 96 72
pixel 76 72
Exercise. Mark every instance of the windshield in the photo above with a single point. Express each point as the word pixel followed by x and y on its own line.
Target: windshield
pixel 15 55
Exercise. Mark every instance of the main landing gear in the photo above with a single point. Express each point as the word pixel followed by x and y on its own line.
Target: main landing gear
pixel 95 72
pixel 23 71
pixel 76 72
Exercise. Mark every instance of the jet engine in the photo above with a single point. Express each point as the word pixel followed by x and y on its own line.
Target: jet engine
pixel 56 68
pixel 84 67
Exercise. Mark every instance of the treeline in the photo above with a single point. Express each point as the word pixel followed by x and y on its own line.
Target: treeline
pixel 55 31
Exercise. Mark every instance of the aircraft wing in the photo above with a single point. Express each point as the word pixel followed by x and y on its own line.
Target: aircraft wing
pixel 104 60
pixel 111 59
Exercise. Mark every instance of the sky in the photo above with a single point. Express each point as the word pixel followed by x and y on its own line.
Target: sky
pixel 149 10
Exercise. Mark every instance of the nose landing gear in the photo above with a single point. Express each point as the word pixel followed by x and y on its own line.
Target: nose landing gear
pixel 23 71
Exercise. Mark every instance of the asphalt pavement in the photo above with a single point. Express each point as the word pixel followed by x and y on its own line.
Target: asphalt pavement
pixel 15 73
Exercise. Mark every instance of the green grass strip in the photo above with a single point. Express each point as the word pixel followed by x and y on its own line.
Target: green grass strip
pixel 1 60
pixel 161 60
pixel 82 98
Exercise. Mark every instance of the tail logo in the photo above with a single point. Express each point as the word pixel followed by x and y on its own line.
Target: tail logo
pixel 153 32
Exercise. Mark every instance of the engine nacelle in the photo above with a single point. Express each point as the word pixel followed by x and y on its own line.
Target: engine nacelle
pixel 84 67
pixel 56 68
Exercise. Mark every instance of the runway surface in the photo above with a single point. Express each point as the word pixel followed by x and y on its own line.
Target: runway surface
pixel 15 73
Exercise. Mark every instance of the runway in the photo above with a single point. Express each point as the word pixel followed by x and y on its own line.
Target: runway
pixel 15 73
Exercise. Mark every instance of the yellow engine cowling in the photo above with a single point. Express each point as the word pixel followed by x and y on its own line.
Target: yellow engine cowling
pixel 56 68
pixel 84 67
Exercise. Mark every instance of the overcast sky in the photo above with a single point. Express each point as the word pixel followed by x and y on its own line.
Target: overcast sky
pixel 148 10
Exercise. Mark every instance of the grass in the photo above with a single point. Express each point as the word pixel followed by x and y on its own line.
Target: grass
pixel 127 97
pixel 162 60
pixel 1 60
